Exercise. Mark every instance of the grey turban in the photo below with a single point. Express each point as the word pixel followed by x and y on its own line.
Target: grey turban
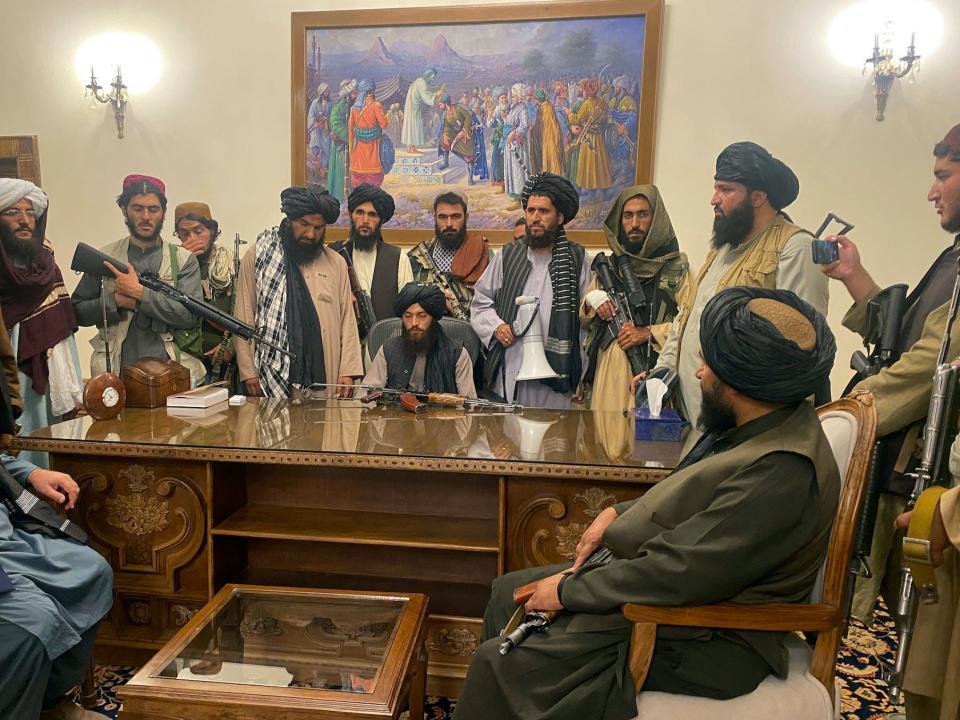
pixel 382 201
pixel 429 297
pixel 295 202
pixel 561 192
pixel 768 344
pixel 753 166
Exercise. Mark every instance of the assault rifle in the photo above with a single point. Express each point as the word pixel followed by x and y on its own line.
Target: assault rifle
pixel 366 317
pixel 88 259
pixel 932 470
pixel 418 402
pixel 459 306
pixel 884 320
pixel 612 283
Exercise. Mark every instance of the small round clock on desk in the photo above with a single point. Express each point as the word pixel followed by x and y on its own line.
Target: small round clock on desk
pixel 104 396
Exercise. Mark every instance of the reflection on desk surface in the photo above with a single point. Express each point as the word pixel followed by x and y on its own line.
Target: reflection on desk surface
pixel 577 437
pixel 334 643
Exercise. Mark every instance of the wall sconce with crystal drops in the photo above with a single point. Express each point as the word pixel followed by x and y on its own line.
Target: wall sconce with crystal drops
pixel 886 69
pixel 117 97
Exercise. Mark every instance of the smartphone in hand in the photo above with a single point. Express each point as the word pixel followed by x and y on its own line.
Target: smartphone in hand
pixel 828 251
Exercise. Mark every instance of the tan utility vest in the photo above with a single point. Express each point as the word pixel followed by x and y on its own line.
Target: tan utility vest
pixel 756 267
pixel 117 332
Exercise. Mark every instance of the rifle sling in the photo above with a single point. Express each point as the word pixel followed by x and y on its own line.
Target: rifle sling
pixel 916 543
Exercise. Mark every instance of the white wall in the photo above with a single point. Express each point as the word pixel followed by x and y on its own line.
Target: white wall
pixel 217 125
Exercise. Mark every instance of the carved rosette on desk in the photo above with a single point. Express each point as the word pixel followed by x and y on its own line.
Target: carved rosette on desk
pixel 149 521
pixel 548 525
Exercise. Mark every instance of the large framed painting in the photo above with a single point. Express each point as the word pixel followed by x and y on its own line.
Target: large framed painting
pixel 472 99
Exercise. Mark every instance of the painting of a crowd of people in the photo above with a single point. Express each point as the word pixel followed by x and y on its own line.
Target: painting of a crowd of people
pixel 420 109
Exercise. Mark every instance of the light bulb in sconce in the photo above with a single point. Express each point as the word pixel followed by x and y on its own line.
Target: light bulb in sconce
pixel 118 64
pixel 888 37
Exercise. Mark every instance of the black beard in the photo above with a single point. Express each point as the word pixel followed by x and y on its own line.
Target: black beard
pixel 629 244
pixel 734 227
pixel 24 249
pixel 545 240
pixel 451 240
pixel 149 240
pixel 361 242
pixel 301 254
pixel 426 342
pixel 715 416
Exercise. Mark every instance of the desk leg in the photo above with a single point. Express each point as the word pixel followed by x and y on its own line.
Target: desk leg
pixel 418 686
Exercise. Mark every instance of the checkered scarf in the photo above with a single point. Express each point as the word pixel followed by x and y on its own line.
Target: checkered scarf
pixel 273 368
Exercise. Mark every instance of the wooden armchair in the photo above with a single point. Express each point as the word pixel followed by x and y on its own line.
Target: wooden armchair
pixel 850 425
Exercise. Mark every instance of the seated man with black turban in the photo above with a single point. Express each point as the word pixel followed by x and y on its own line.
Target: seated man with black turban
pixel 746 517
pixel 754 244
pixel 298 290
pixel 544 264
pixel 381 268
pixel 422 358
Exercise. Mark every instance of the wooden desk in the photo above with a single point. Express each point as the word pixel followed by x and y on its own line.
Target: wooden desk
pixel 327 494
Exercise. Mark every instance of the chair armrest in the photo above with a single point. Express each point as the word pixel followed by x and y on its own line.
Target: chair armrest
pixel 738 616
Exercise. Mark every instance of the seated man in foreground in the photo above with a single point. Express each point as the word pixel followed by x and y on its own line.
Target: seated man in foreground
pixel 53 589
pixel 422 358
pixel 745 517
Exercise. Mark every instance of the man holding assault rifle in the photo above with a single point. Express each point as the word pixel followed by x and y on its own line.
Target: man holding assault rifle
pixel 902 392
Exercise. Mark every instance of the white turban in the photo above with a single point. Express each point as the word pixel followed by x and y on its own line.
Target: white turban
pixel 347 87
pixel 518 89
pixel 13 191
pixel 623 81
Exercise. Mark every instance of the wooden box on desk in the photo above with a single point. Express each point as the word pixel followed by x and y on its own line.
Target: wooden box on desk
pixel 150 380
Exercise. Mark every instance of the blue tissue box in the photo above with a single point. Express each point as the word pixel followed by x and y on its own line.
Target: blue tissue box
pixel 666 428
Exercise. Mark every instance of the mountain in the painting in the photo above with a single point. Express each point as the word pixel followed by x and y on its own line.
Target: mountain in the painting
pixel 378 55
pixel 441 55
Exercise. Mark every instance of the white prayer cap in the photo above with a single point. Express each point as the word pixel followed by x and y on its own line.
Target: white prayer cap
pixel 13 190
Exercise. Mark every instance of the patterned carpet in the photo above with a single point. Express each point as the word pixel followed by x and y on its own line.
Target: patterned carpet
pixel 864 696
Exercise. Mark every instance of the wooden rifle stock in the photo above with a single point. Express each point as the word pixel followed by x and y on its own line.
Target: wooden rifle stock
pixel 411 403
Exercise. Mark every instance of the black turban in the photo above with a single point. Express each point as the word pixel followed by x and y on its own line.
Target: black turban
pixel 561 192
pixel 752 165
pixel 768 344
pixel 295 202
pixel 382 201
pixel 429 297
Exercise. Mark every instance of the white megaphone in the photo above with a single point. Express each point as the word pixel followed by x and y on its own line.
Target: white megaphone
pixel 534 364
pixel 528 434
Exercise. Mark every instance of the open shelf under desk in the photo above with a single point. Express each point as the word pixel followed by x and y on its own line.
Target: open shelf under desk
pixel 361 528
pixel 460 599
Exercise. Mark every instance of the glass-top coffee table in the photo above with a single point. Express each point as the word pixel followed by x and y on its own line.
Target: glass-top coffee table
pixel 257 651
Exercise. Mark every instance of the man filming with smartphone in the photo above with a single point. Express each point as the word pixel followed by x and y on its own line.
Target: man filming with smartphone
pixel 902 396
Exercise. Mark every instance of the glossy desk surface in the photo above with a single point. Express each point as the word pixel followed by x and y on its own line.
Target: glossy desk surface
pixel 567 443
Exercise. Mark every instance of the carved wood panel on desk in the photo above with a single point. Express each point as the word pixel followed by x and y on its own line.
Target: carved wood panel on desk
pixel 546 519
pixel 149 520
